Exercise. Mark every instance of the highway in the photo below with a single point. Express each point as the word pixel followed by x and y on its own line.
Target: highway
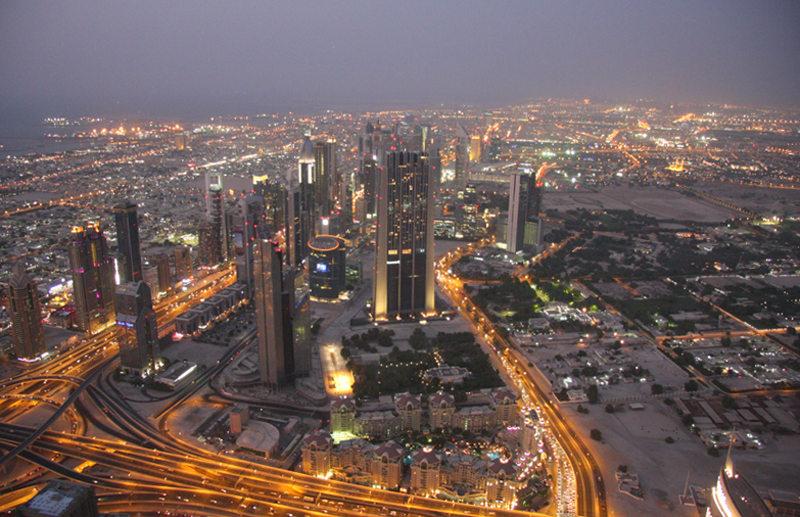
pixel 158 472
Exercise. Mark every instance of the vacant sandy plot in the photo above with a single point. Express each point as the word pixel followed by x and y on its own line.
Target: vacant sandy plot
pixel 637 439
pixel 765 201
pixel 652 201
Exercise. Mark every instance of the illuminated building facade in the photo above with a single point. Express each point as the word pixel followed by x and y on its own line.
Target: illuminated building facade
pixel 441 408
pixel 343 415
pixel 92 278
pixel 139 350
pixel 317 453
pixel 326 266
pixel 734 496
pixel 130 255
pixel 404 281
pixel 25 309
pixel 425 467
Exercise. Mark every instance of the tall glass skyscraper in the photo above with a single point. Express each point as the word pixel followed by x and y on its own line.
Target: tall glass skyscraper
pixel 404 282
pixel 130 255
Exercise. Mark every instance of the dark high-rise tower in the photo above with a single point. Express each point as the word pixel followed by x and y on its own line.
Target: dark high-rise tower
pixel 130 255
pixel 139 349
pixel 25 310
pixel 249 223
pixel 92 278
pixel 327 181
pixel 216 217
pixel 404 256
pixel 462 158
pixel 524 203
pixel 269 313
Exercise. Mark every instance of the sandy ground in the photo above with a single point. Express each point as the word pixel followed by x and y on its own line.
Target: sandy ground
pixel 656 202
pixel 766 201
pixel 636 439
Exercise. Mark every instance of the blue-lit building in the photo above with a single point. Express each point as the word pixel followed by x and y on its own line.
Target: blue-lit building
pixel 326 266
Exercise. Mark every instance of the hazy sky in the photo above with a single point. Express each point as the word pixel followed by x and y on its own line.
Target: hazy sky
pixel 239 56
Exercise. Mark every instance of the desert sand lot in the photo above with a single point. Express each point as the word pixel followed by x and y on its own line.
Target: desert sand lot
pixel 660 203
pixel 766 201
pixel 636 439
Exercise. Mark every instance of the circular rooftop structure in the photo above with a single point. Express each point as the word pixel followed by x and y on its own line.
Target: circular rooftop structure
pixel 325 243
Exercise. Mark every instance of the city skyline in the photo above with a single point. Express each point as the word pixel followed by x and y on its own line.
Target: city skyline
pixel 648 322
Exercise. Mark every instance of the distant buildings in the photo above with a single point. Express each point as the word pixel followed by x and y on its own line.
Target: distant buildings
pixel 139 347
pixel 92 278
pixel 130 255
pixel 404 282
pixel 25 310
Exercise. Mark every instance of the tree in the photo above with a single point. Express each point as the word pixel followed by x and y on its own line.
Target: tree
pixel 609 408
pixel 596 434
pixel 592 394
pixel 691 386
pixel 656 389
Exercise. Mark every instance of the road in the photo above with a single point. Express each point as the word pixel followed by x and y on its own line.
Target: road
pixel 589 489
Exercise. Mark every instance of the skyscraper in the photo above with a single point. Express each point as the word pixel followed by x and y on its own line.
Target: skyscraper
pixel 462 157
pixel 297 226
pixel 249 222
pixel 25 310
pixel 274 194
pixel 130 256
pixel 269 313
pixel 209 249
pixel 326 185
pixel 307 176
pixel 183 263
pixel 139 349
pixel 92 278
pixel 404 256
pixel 524 203
pixel 217 234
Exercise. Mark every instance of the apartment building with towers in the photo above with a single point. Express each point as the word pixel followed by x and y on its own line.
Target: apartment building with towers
pixel 404 281
pixel 92 278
